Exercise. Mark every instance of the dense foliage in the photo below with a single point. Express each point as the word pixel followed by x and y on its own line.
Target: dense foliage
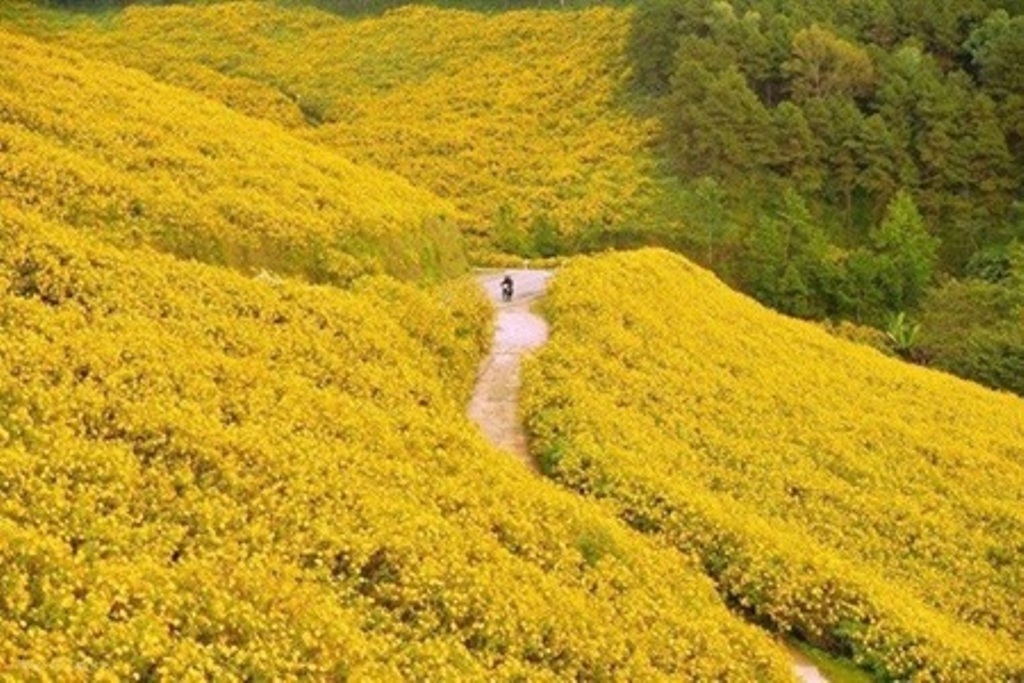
pixel 849 103
pixel 870 506
pixel 974 327
pixel 803 132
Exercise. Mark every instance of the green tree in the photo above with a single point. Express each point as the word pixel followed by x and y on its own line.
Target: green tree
pixel 884 164
pixel 996 48
pixel 764 260
pixel 874 21
pixel 943 164
pixel 704 50
pixel 861 294
pixel 978 203
pixel 906 254
pixel 904 74
pixel 951 136
pixel 991 174
pixel 942 27
pixel 797 149
pixel 975 327
pixel 824 64
pixel 709 210
pixel 778 33
pixel 837 122
pixel 715 124
pixel 654 39
pixel 751 49
pixel 784 259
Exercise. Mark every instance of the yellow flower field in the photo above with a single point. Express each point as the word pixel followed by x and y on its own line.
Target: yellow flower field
pixel 112 151
pixel 513 117
pixel 868 506
pixel 236 345
pixel 212 476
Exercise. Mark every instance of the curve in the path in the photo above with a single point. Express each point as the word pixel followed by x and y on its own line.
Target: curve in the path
pixel 495 403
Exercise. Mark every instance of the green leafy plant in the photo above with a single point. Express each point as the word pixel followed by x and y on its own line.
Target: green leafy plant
pixel 902 334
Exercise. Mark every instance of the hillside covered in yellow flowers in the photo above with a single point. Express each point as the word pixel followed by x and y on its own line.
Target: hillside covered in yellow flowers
pixel 237 340
pixel 210 475
pixel 227 473
pixel 114 152
pixel 516 118
pixel 869 506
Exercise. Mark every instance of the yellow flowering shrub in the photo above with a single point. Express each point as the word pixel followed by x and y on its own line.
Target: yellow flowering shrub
pixel 210 476
pixel 866 505
pixel 112 151
pixel 513 116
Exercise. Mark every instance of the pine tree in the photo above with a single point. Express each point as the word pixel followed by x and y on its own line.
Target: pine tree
pixel 709 216
pixel 997 52
pixel 655 35
pixel 785 259
pixel 991 172
pixel 875 21
pixel 797 149
pixel 837 123
pixel 906 253
pixel 881 161
pixel 716 125
pixel 824 64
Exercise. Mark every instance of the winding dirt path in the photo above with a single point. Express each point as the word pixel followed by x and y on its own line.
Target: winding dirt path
pixel 495 402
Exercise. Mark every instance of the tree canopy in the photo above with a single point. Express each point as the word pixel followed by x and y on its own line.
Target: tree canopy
pixel 899 127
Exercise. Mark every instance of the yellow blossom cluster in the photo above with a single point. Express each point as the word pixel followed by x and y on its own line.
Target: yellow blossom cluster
pixel 513 116
pixel 869 506
pixel 111 150
pixel 207 476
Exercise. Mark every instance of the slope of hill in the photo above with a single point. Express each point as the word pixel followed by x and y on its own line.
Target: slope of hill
pixel 210 476
pixel 871 507
pixel 514 117
pixel 112 151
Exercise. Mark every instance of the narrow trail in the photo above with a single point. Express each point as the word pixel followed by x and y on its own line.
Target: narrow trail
pixel 495 402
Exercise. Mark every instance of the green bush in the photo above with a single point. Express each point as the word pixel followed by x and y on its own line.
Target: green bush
pixel 975 329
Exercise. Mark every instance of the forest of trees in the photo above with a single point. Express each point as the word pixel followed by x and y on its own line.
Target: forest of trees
pixel 861 160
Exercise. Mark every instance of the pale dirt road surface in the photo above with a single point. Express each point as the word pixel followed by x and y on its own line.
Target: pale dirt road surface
pixel 494 406
pixel 805 671
pixel 495 402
